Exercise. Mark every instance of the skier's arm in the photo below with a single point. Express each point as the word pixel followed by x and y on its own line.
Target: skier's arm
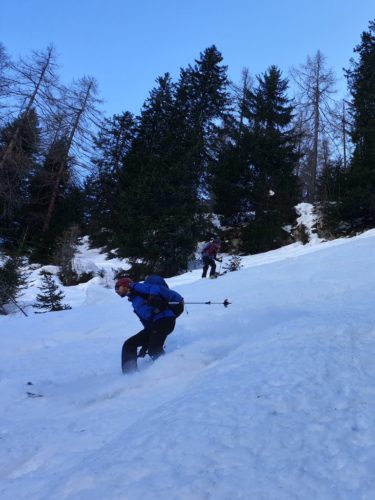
pixel 157 302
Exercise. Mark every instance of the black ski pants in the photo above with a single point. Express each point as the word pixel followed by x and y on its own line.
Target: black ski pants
pixel 151 338
pixel 208 262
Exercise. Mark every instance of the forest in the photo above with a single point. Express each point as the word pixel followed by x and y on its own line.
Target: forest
pixel 205 157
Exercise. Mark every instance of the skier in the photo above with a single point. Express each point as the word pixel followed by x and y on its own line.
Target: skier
pixel 150 303
pixel 209 255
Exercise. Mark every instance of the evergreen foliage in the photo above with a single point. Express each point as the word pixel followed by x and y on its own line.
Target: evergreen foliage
pixel 234 264
pixel 330 182
pixel 160 210
pixel 203 100
pixel 260 165
pixel 69 205
pixel 103 187
pixel 12 278
pixel 230 179
pixel 18 166
pixel 272 162
pixel 161 177
pixel 64 256
pixel 50 298
pixel 357 207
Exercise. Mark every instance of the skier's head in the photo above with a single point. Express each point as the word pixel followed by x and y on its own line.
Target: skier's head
pixel 122 286
pixel 217 242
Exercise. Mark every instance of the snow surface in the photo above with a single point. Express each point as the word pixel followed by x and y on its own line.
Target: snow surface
pixel 272 398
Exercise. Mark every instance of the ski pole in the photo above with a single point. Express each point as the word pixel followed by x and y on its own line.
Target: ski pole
pixel 225 303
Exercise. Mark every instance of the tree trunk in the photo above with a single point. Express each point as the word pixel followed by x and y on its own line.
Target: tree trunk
pixel 64 160
pixel 25 113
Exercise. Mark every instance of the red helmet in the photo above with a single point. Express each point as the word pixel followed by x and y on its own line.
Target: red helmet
pixel 125 282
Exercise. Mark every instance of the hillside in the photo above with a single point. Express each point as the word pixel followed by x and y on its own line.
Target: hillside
pixel 271 398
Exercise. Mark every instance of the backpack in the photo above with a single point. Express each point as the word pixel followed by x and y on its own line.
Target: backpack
pixel 155 279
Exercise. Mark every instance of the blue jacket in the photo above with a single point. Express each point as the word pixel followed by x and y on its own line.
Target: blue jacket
pixel 146 313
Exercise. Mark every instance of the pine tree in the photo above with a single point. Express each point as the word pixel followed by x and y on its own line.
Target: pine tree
pixel 18 166
pixel 50 298
pixel 330 182
pixel 229 178
pixel 12 279
pixel 103 188
pixel 64 256
pixel 158 203
pixel 272 158
pixel 202 97
pixel 357 207
pixel 229 183
pixel 156 215
pixel 234 264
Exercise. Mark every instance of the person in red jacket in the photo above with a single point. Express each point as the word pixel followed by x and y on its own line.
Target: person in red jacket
pixel 209 255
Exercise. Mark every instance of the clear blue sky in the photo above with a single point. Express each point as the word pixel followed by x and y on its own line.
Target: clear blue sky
pixel 127 44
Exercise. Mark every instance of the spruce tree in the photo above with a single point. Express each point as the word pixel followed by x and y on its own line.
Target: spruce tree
pixel 357 208
pixel 50 298
pixel 229 183
pixel 229 168
pixel 68 205
pixel 12 279
pixel 158 211
pixel 103 187
pixel 202 97
pixel 158 202
pixel 18 166
pixel 330 183
pixel 272 158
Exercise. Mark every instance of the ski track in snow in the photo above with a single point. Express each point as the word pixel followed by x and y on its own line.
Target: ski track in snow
pixel 270 399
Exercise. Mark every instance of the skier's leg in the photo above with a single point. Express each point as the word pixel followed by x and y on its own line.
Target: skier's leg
pixel 213 267
pixel 206 261
pixel 129 350
pixel 160 330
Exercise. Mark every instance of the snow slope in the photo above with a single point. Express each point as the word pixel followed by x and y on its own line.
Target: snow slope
pixel 272 398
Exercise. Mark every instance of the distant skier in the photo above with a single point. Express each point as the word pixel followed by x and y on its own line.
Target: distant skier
pixel 150 301
pixel 209 255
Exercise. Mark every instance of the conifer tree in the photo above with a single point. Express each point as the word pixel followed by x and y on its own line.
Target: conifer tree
pixel 357 207
pixel 64 256
pixel 103 187
pixel 18 166
pixel 50 298
pixel 157 204
pixel 80 114
pixel 202 97
pixel 164 175
pixel 229 178
pixel 331 182
pixel 12 279
pixel 272 158
pixel 68 206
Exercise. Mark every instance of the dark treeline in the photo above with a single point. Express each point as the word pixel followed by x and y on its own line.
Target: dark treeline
pixel 201 150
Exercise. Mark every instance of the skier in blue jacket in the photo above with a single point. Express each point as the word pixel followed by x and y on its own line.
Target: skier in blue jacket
pixel 150 303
